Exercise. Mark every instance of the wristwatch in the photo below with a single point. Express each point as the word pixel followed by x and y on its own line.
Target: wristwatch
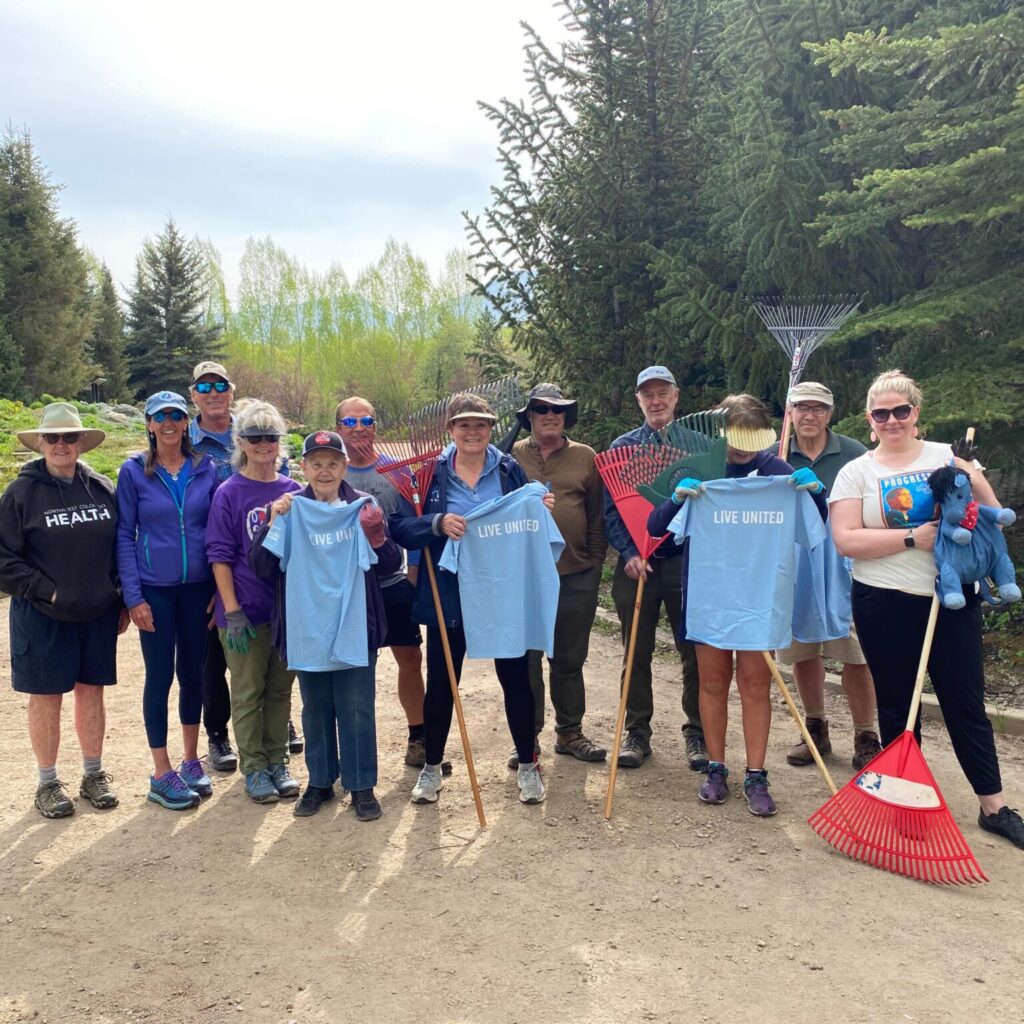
pixel 908 538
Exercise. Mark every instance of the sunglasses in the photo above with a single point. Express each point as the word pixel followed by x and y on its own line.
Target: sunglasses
pixel 351 421
pixel 543 410
pixel 901 412
pixel 261 438
pixel 204 387
pixel 176 414
pixel 66 438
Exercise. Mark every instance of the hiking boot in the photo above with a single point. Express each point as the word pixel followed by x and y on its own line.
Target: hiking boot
pixel 310 801
pixel 416 754
pixel 287 787
pixel 800 754
pixel 222 757
pixel 366 804
pixel 755 789
pixel 428 785
pixel 715 789
pixel 295 742
pixel 696 752
pixel 634 750
pixel 172 791
pixel 579 746
pixel 513 758
pixel 196 778
pixel 260 788
pixel 96 789
pixel 865 747
pixel 52 801
pixel 1006 822
pixel 531 785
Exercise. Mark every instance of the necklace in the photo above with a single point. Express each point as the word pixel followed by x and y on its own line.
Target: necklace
pixel 173 473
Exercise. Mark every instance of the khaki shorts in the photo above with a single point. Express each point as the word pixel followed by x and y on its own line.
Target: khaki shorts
pixel 845 650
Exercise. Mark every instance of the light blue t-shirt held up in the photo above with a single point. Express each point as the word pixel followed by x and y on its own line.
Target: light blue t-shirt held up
pixel 324 553
pixel 508 583
pixel 743 532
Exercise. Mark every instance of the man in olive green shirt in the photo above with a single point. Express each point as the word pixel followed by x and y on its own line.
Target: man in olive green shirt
pixel 567 467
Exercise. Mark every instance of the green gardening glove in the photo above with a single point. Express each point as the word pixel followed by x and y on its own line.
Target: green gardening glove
pixel 240 629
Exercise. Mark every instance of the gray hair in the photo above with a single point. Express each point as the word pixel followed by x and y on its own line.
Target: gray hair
pixel 257 417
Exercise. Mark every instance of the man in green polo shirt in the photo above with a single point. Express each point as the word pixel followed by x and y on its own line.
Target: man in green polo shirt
pixel 816 446
pixel 567 467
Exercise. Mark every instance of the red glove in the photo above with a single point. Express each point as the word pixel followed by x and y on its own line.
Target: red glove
pixel 371 519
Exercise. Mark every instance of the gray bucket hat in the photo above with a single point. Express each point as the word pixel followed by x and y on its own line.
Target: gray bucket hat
pixel 549 394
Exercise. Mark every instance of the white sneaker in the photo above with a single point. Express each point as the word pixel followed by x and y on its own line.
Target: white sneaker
pixel 531 785
pixel 428 785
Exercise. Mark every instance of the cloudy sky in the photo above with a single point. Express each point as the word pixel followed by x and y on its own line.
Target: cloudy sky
pixel 328 126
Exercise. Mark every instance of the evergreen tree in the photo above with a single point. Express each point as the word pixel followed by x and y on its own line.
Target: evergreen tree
pixel 45 305
pixel 106 347
pixel 167 328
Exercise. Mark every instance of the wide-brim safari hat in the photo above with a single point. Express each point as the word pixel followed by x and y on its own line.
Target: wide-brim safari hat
pixel 61 418
pixel 549 394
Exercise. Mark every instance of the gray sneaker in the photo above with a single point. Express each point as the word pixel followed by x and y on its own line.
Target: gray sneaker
pixel 260 787
pixel 531 785
pixel 52 802
pixel 96 789
pixel 286 786
pixel 634 750
pixel 428 785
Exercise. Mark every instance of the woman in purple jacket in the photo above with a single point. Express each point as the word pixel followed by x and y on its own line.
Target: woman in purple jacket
pixel 163 502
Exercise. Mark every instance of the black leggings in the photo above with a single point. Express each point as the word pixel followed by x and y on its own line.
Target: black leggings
pixel 514 676
pixel 891 627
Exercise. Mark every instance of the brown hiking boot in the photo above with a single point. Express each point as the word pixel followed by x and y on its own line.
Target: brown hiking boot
pixel 581 747
pixel 865 747
pixel 800 754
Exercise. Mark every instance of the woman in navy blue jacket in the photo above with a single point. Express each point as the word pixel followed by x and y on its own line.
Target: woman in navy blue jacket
pixel 163 501
pixel 469 472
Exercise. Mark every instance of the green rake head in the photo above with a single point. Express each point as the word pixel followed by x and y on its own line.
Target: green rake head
pixel 691 446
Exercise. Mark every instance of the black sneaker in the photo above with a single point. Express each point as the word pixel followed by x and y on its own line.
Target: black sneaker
pixel 310 801
pixel 634 750
pixel 222 757
pixel 696 752
pixel 366 805
pixel 295 743
pixel 1006 822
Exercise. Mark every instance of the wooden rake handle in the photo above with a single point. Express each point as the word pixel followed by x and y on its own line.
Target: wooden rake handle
pixel 799 719
pixel 620 718
pixel 463 734
pixel 922 665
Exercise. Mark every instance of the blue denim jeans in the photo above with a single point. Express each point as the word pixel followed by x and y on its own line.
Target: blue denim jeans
pixel 340 726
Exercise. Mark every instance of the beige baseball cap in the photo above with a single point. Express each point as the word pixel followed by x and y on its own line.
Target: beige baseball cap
pixel 208 367
pixel 810 391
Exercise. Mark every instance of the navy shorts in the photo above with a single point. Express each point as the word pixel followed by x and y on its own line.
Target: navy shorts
pixel 402 631
pixel 49 657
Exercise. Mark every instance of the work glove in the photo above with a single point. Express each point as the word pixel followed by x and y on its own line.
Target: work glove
pixel 804 479
pixel 371 519
pixel 688 487
pixel 240 629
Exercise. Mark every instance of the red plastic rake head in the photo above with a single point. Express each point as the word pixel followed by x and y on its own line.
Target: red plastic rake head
pixel 893 816
pixel 622 470
pixel 411 481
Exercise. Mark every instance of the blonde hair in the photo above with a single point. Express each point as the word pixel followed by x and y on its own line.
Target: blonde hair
pixel 259 417
pixel 353 398
pixel 745 411
pixel 893 381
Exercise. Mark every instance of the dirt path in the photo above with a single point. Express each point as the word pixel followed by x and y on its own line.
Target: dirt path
pixel 672 912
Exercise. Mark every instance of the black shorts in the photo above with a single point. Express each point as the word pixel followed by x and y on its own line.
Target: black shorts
pixel 49 657
pixel 402 631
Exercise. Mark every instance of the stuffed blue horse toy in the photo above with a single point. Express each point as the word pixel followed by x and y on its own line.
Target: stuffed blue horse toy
pixel 968 546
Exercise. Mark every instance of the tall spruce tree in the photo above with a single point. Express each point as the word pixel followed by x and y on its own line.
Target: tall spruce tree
pixel 45 305
pixel 167 329
pixel 106 347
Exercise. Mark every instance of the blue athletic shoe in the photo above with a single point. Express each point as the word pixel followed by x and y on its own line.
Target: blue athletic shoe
pixel 196 778
pixel 260 787
pixel 171 791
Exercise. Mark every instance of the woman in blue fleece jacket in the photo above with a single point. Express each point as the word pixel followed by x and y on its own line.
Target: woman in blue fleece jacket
pixel 163 501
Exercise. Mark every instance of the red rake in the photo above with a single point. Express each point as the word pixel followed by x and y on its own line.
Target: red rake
pixel 892 815
pixel 622 469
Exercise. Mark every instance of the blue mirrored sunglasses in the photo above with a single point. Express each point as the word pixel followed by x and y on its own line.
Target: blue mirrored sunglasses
pixel 176 414
pixel 204 387
pixel 351 421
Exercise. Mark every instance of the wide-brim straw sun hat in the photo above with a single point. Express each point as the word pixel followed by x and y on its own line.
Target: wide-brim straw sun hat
pixel 61 418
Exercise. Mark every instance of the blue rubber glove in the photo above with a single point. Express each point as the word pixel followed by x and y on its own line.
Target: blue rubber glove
pixel 240 629
pixel 688 487
pixel 804 479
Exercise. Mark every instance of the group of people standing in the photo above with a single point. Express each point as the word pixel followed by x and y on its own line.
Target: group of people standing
pixel 205 530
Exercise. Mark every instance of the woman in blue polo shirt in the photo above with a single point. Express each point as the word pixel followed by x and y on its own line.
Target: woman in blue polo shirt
pixel 163 501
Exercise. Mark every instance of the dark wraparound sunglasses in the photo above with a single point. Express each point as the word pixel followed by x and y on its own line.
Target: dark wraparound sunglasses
pixel 543 410
pixel 176 414
pixel 901 412
pixel 261 438
pixel 66 438
pixel 351 421
pixel 204 387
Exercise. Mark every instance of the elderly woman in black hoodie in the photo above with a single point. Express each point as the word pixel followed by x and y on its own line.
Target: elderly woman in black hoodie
pixel 58 522
pixel 337 705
